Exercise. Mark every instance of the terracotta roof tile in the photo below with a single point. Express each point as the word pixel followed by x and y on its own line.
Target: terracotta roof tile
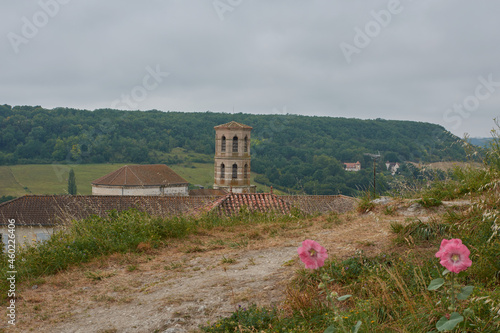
pixel 50 209
pixel 47 210
pixel 232 203
pixel 207 191
pixel 141 175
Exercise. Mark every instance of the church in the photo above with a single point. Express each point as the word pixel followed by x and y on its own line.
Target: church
pixel 231 170
pixel 232 158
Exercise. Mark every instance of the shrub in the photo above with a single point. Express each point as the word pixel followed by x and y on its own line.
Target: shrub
pixel 418 231
pixel 429 202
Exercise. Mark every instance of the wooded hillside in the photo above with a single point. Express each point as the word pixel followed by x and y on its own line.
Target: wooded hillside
pixel 301 153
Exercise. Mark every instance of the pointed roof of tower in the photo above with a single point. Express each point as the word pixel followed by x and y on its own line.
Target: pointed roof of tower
pixel 233 125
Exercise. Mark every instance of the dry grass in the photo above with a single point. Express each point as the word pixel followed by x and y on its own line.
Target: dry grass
pixel 109 283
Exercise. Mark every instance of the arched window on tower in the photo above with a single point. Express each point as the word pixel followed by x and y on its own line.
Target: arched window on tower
pixel 222 171
pixel 245 147
pixel 235 171
pixel 245 171
pixel 235 144
pixel 223 144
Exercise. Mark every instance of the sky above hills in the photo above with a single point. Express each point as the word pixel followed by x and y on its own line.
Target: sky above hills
pixel 431 61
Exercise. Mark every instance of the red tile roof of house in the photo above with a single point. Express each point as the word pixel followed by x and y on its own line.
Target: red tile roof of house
pixel 141 175
pixel 232 203
pixel 47 210
pixel 207 191
pixel 352 165
pixel 233 125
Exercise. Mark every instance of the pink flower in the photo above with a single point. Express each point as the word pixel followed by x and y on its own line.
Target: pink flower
pixel 312 254
pixel 454 255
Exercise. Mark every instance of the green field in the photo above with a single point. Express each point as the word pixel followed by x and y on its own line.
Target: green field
pixel 18 180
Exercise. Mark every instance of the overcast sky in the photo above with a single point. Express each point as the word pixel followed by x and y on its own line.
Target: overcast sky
pixel 433 61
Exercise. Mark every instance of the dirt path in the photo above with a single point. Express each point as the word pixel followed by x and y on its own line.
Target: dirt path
pixel 192 282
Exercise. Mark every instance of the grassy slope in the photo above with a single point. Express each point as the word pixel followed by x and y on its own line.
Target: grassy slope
pixel 8 184
pixel 53 179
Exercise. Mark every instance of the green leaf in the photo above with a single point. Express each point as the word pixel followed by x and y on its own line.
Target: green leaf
pixel 446 271
pixel 330 329
pixel 435 284
pixel 355 329
pixel 447 325
pixel 465 292
pixel 343 298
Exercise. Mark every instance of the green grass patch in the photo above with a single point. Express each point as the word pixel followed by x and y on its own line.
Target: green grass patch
pixel 9 186
pixel 19 180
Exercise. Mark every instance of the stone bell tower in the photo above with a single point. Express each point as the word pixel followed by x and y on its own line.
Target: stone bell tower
pixel 232 158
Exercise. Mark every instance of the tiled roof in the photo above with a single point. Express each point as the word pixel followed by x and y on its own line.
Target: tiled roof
pixel 232 203
pixel 233 125
pixel 49 209
pixel 141 175
pixel 207 191
pixel 313 204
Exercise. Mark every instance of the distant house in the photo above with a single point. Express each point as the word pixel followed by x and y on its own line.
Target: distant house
pixel 392 167
pixel 352 166
pixel 155 179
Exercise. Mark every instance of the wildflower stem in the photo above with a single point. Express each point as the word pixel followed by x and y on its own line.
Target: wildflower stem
pixel 452 290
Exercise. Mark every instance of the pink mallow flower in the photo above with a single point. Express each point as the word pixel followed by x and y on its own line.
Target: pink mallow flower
pixel 454 255
pixel 312 254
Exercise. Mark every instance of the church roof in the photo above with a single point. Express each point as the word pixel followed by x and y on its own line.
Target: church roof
pixel 141 175
pixel 233 125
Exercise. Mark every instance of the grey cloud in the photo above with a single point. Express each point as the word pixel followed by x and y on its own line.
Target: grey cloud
pixel 263 56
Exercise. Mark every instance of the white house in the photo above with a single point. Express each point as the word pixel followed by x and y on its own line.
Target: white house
pixel 352 166
pixel 392 167
pixel 153 179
